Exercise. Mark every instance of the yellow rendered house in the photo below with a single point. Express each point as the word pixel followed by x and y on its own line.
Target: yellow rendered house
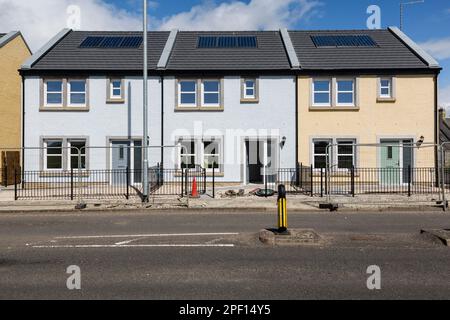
pixel 13 52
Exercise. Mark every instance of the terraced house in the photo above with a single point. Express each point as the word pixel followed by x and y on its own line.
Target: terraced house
pixel 13 51
pixel 242 103
pixel 373 88
pixel 226 98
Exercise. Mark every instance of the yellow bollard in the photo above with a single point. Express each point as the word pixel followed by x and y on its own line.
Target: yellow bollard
pixel 282 209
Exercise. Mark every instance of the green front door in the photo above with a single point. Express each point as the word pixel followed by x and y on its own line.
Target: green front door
pixel 390 162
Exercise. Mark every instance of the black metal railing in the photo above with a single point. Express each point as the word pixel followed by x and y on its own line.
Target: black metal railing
pixel 357 181
pixel 105 184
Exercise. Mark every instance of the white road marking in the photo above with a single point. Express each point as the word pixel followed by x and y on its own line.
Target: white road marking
pixel 127 242
pixel 150 235
pixel 133 246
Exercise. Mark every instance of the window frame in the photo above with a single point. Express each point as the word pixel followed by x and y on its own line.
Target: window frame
pixel 313 92
pixel 110 90
pixel 314 154
pixel 218 154
pixel 179 94
pixel 182 149
pixel 65 154
pixel 385 98
pixel 334 157
pixel 199 152
pixel 46 155
pixel 70 155
pixel 218 92
pixel 46 92
pixel 381 87
pixel 70 92
pixel 244 96
pixel 353 92
pixel 353 155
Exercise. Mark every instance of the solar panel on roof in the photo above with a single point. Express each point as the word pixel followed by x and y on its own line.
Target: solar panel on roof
pixel 91 42
pixel 344 41
pixel 111 42
pixel 207 42
pixel 131 42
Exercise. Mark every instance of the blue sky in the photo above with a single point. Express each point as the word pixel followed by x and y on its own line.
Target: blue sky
pixel 427 22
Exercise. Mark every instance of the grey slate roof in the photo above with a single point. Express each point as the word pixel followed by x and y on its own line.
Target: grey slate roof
pixel 269 55
pixel 66 55
pixel 444 129
pixel 391 53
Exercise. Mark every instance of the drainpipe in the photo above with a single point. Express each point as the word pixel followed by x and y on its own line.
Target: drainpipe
pixel 23 124
pixel 296 121
pixel 436 120
pixel 162 120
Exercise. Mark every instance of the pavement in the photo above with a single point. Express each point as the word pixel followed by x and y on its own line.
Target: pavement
pixel 198 254
pixel 206 202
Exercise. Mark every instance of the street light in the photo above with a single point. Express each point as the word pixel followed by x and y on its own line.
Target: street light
pixel 145 109
pixel 401 10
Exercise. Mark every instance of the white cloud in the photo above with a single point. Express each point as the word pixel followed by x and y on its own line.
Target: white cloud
pixel 39 20
pixel 238 15
pixel 438 48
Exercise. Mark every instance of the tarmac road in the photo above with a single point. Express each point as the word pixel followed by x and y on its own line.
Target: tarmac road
pixel 210 255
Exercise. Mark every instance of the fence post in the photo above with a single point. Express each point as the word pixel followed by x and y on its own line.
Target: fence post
pixel 297 175
pixel 352 170
pixel 265 180
pixel 409 180
pixel 71 183
pixel 301 175
pixel 127 172
pixel 186 178
pixel 312 181
pixel 5 176
pixel 15 184
pixel 321 182
pixel 214 182
pixel 182 182
pixel 204 181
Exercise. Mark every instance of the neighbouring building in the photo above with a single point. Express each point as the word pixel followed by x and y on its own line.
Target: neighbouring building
pixel 366 87
pixel 13 52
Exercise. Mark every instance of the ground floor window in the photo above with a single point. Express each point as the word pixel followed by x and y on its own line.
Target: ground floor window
pixel 211 153
pixel 77 154
pixel 53 158
pixel 64 153
pixel 320 152
pixel 345 154
pixel 341 153
pixel 204 152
